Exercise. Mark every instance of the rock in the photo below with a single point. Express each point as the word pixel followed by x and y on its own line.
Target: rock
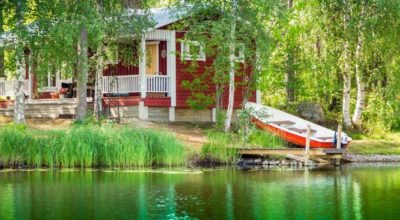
pixel 311 111
pixel 274 162
pixel 300 164
pixel 258 161
pixel 265 163
pixel 242 163
pixel 250 162
pixel 293 163
pixel 285 163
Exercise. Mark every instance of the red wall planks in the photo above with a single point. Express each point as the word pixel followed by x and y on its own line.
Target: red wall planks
pixel 182 94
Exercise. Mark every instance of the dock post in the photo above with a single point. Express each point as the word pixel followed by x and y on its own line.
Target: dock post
pixel 338 142
pixel 308 142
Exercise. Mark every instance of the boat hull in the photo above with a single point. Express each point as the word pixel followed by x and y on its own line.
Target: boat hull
pixel 291 137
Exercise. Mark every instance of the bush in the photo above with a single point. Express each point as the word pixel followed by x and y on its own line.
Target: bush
pixel 89 146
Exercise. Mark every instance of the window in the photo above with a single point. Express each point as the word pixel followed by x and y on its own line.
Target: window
pixel 192 50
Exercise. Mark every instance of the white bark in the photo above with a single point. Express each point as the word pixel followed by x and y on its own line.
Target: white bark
pixel 98 95
pixel 232 46
pixel 360 103
pixel 346 72
pixel 82 74
pixel 19 104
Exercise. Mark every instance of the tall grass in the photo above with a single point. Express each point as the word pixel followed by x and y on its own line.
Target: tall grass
pixel 260 138
pixel 89 146
pixel 221 148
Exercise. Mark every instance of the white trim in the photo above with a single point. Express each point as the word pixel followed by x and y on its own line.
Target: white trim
pixel 48 79
pixel 171 113
pixel 214 115
pixel 143 111
pixel 258 96
pixel 58 82
pixel 185 50
pixel 142 68
pixel 171 66
pixel 163 35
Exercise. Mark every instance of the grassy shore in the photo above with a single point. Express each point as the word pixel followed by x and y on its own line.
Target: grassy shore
pixel 222 147
pixel 375 142
pixel 89 146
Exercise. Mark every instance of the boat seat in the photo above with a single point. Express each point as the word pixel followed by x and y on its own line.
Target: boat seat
pixel 324 138
pixel 283 122
pixel 299 130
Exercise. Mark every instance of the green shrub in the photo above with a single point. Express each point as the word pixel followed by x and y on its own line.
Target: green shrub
pixel 89 146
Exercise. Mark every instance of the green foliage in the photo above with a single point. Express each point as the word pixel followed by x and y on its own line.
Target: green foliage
pixel 260 138
pixel 215 18
pixel 89 146
pixel 221 148
pixel 314 50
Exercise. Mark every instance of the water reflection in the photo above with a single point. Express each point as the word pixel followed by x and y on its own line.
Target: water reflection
pixel 353 192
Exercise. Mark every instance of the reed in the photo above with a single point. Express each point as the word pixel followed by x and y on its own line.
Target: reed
pixel 221 148
pixel 260 138
pixel 89 146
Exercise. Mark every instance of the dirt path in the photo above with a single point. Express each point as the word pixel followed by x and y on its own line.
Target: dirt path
pixel 42 124
pixel 193 137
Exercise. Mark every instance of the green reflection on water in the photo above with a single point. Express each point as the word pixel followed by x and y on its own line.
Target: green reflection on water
pixel 354 192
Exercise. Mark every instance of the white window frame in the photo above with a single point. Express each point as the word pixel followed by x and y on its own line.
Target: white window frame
pixel 185 51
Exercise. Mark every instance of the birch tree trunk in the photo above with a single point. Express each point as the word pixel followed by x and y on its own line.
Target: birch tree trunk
pixel 19 104
pixel 290 74
pixel 1 32
pixel 232 46
pixel 98 95
pixel 82 74
pixel 360 103
pixel 346 72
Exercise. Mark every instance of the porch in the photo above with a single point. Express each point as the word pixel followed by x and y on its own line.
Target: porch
pixel 148 83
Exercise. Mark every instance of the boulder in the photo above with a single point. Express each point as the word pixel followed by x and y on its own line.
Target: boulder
pixel 311 111
pixel 258 161
pixel 274 162
pixel 285 163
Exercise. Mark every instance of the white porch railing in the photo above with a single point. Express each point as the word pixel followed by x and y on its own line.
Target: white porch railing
pixel 121 84
pixel 158 83
pixel 132 83
pixel 7 87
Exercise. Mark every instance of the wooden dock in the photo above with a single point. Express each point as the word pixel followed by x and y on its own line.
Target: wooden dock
pixel 326 153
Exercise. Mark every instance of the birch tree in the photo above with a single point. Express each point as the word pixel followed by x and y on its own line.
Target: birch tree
pixel 19 104
pixel 229 31
pixel 232 57
pixel 2 6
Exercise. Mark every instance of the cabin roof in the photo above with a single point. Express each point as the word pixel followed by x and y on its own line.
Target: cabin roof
pixel 163 16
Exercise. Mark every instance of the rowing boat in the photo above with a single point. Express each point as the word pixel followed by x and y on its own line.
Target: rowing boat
pixel 293 129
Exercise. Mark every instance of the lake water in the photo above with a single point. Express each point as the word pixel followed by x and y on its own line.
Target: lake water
pixel 351 192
